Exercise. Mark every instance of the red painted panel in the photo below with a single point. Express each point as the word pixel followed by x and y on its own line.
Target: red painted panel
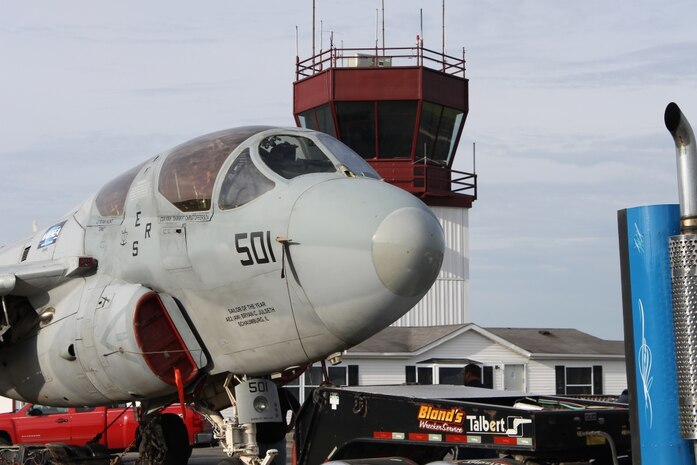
pixel 447 90
pixel 377 84
pixel 311 92
pixel 158 338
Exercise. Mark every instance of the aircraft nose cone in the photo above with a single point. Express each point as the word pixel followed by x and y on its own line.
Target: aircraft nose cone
pixel 408 251
pixel 363 254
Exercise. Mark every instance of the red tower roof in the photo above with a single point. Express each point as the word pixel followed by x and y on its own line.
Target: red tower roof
pixel 403 117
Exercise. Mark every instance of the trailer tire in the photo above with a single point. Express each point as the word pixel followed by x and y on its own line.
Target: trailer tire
pixel 96 450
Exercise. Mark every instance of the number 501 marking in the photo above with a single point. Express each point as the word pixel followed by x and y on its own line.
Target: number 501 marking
pixel 254 248
pixel 258 386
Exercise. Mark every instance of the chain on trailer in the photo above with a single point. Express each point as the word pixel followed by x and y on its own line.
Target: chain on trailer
pixel 52 454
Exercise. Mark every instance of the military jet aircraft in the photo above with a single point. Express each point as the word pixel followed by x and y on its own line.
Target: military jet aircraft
pixel 237 256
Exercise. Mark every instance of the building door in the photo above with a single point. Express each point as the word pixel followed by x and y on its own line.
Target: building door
pixel 514 378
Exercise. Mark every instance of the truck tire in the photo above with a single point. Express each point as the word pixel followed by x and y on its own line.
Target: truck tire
pixel 177 439
pixel 96 450
pixel 5 440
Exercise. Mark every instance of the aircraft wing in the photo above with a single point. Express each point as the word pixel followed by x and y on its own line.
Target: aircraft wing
pixel 28 278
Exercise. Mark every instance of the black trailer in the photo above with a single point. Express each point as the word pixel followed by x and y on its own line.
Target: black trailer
pixel 424 424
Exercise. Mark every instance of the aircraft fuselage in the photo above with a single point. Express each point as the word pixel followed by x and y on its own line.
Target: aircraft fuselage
pixel 247 251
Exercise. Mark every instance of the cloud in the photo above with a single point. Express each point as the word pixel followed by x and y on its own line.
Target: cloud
pixel 664 64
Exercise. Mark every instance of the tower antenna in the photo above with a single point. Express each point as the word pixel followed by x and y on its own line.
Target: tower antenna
pixel 377 21
pixel 421 23
pixel 313 34
pixel 383 27
pixel 443 38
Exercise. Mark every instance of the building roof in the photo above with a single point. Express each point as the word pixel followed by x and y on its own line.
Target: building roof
pixel 405 338
pixel 533 342
pixel 558 341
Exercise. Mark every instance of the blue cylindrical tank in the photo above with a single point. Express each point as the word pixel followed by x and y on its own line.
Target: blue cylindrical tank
pixel 649 334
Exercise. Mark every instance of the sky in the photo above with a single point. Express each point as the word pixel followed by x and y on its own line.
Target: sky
pixel 566 111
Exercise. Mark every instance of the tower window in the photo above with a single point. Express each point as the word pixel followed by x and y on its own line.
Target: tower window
pixel 357 126
pixel 438 132
pixel 319 119
pixel 396 128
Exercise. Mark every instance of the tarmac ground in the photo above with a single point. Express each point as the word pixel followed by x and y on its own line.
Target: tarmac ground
pixel 199 456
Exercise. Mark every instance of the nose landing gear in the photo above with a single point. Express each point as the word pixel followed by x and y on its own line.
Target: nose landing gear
pixel 253 401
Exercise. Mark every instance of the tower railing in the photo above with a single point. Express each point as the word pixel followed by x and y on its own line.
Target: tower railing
pixel 380 58
pixel 441 180
pixel 428 179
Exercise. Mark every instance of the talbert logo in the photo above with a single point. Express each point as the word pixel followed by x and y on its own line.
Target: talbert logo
pixel 512 426
pixel 481 424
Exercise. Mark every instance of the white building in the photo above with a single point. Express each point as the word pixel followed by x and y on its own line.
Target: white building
pixel 541 361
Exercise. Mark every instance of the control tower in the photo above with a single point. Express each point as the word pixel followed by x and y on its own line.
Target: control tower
pixel 403 111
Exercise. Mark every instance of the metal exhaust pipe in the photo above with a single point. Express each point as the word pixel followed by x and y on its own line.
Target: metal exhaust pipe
pixel 683 262
pixel 686 154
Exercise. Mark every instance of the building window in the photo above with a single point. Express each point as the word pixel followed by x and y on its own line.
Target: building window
pixel 444 374
pixel 450 375
pixel 514 377
pixel 424 375
pixel 302 387
pixel 418 375
pixel 313 377
pixel 579 380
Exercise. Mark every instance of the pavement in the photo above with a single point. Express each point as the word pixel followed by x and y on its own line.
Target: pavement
pixel 199 456
pixel 207 456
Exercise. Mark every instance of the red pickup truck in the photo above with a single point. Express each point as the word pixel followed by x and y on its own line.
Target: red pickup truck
pixel 41 424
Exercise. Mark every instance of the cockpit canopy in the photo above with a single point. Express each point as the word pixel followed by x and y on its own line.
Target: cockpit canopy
pixel 291 156
pixel 188 175
pixel 189 172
